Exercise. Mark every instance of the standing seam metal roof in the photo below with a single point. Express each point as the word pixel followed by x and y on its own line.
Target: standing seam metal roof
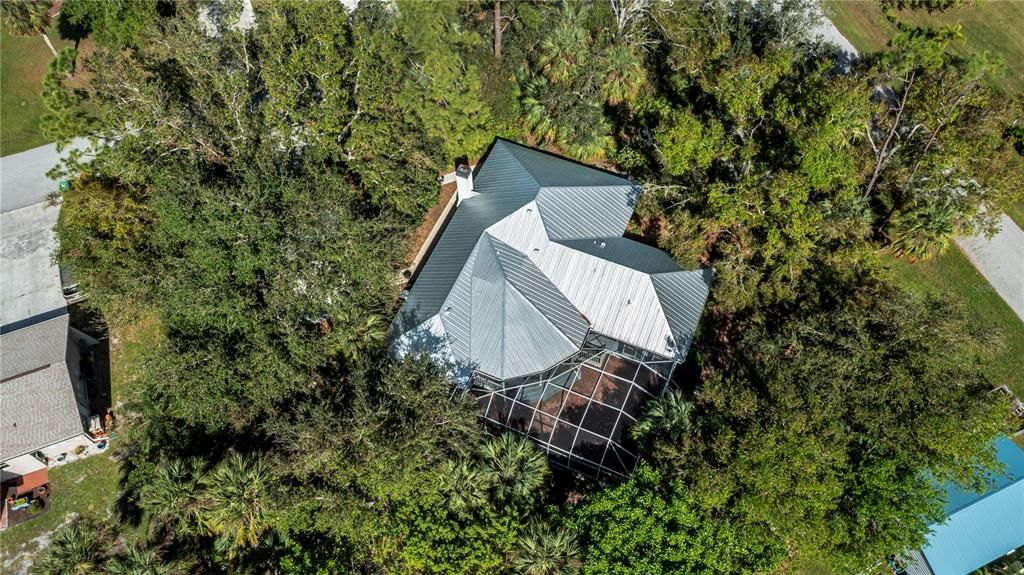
pixel 981 527
pixel 536 259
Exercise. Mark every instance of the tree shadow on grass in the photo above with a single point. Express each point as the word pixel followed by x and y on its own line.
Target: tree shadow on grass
pixel 71 32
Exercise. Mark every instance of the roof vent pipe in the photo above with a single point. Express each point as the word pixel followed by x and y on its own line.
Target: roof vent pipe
pixel 464 183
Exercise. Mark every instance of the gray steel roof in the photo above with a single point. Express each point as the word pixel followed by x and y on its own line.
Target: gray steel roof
pixel 535 260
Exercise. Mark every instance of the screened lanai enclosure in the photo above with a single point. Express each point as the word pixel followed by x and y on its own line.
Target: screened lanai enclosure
pixel 536 304
pixel 580 411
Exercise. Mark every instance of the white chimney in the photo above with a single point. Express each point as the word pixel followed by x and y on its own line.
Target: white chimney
pixel 464 183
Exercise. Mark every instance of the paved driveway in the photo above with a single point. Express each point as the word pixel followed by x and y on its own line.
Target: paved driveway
pixel 23 179
pixel 1001 261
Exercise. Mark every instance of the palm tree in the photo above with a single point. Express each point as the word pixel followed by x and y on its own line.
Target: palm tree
pixel 624 75
pixel 76 549
pixel 520 469
pixel 175 496
pixel 361 336
pixel 236 503
pixel 138 561
pixel 925 232
pixel 566 49
pixel 25 17
pixel 671 417
pixel 556 114
pixel 542 550
pixel 467 486
pixel 562 105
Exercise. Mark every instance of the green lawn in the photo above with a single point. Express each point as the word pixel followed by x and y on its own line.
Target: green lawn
pixel 953 275
pixel 23 63
pixel 88 487
pixel 993 25
pixel 1016 213
pixel 128 347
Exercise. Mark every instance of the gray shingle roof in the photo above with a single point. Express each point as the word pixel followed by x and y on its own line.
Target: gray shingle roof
pixel 38 406
pixel 31 347
pixel 536 259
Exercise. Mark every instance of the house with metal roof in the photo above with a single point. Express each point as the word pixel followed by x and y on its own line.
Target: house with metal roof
pixel 980 527
pixel 537 304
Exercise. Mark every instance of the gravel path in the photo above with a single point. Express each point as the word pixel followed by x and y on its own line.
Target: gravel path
pixel 1001 261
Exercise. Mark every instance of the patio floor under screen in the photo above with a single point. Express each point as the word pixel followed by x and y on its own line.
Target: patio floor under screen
pixel 582 414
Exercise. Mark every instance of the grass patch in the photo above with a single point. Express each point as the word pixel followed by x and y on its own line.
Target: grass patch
pixel 129 345
pixel 991 26
pixel 23 63
pixel 953 275
pixel 87 487
pixel 1016 213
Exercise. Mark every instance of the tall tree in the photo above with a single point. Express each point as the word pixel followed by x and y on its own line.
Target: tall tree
pixel 519 467
pixel 442 89
pixel 376 440
pixel 389 152
pixel 562 103
pixel 237 503
pixel 65 117
pixel 310 72
pixel 113 23
pixel 831 427
pixel 174 497
pixel 941 159
pixel 649 524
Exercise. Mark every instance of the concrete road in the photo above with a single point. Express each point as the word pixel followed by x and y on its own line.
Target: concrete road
pixel 1001 261
pixel 828 32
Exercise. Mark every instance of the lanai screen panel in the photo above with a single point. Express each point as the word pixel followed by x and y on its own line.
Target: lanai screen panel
pixel 580 411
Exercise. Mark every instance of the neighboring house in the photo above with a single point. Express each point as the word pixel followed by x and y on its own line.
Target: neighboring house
pixel 980 527
pixel 44 408
pixel 538 305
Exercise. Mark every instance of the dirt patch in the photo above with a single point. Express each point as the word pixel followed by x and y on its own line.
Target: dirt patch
pixel 419 235
pixel 19 564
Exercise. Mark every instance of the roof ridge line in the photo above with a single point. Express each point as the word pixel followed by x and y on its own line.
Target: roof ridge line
pixel 519 163
pixel 509 284
pixel 611 262
pixel 497 256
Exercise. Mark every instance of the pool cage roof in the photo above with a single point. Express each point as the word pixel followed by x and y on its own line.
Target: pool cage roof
pixel 580 411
